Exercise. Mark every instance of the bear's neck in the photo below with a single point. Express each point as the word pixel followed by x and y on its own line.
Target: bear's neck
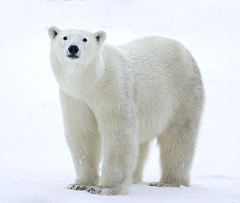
pixel 94 73
pixel 82 81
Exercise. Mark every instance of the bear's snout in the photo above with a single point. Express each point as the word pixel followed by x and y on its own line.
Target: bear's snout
pixel 73 52
pixel 73 49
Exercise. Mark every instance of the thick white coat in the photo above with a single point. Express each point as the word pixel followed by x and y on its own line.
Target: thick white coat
pixel 119 99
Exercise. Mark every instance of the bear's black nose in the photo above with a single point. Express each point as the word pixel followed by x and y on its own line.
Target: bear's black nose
pixel 73 49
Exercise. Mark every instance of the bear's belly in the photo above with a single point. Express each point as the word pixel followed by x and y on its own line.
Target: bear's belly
pixel 152 123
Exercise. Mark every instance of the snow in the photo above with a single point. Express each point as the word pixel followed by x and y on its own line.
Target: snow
pixel 35 163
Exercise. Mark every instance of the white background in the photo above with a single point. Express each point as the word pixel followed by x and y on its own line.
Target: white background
pixel 35 163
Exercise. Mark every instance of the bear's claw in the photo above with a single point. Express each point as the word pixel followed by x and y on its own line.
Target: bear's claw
pixel 76 187
pixel 157 184
pixel 153 184
pixel 94 190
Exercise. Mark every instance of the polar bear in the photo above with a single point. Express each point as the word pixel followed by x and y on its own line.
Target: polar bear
pixel 117 99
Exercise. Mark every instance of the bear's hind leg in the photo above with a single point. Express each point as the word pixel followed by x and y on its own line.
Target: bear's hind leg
pixel 143 152
pixel 177 146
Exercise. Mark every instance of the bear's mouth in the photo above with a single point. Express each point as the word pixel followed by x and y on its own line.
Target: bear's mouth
pixel 72 56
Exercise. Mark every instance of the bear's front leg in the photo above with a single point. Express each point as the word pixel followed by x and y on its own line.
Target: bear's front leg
pixel 83 140
pixel 119 131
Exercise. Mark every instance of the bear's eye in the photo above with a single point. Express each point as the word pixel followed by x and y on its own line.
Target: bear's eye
pixel 84 39
pixel 65 38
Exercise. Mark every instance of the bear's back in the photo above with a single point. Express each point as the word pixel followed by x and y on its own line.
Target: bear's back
pixel 151 46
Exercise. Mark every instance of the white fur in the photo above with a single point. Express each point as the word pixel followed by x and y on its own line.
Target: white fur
pixel 123 97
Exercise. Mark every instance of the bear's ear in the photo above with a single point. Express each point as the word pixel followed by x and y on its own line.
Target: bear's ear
pixel 100 36
pixel 53 32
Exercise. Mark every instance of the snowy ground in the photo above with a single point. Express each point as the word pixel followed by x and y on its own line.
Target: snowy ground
pixel 35 163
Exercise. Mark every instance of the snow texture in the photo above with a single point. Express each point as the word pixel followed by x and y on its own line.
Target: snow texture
pixel 35 163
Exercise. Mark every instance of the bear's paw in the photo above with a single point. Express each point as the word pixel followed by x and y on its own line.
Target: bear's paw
pixel 160 184
pixel 104 191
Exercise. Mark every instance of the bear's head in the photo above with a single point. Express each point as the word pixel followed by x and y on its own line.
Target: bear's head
pixel 75 46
